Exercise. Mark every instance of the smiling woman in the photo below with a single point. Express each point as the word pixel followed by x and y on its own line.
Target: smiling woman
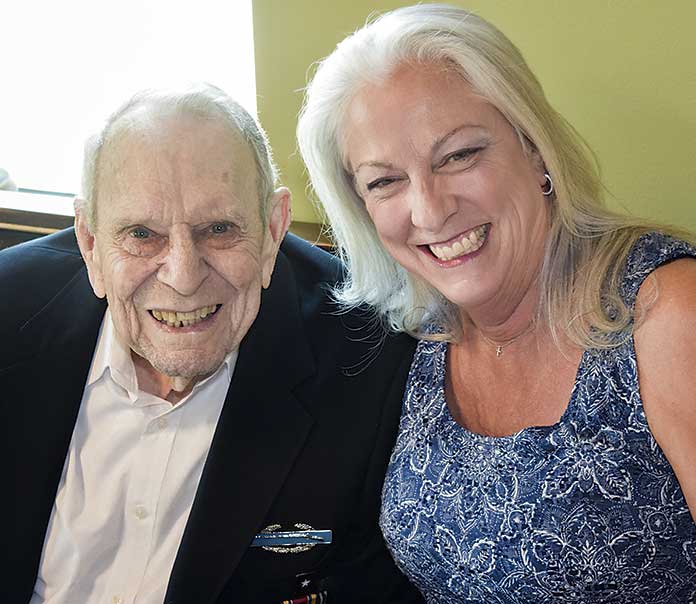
pixel 532 464
pixel 410 181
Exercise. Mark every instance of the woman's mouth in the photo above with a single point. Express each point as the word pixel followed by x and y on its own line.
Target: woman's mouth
pixel 174 318
pixel 462 245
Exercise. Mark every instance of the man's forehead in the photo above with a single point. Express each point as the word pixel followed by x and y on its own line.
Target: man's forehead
pixel 153 159
pixel 171 145
pixel 147 125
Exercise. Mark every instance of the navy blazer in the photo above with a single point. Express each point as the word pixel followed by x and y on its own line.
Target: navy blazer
pixel 304 435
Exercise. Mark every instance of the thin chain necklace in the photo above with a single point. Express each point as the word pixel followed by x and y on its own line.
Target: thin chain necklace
pixel 499 346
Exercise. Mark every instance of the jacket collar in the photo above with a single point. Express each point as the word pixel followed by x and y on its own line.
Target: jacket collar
pixel 43 389
pixel 261 430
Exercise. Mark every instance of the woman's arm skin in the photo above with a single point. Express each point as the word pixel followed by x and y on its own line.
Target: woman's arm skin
pixel 665 343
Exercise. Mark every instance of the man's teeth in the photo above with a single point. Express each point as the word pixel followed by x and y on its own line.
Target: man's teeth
pixel 183 319
pixel 466 244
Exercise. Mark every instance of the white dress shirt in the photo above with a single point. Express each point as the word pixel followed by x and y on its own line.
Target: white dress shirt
pixel 129 480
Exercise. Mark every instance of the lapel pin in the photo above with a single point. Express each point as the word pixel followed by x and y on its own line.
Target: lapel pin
pixel 302 539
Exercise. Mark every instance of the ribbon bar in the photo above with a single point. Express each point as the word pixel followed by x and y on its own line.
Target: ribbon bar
pixel 291 538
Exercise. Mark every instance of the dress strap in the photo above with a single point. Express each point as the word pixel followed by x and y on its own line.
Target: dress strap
pixel 648 253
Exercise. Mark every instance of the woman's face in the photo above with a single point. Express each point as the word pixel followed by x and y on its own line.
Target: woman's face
pixel 454 197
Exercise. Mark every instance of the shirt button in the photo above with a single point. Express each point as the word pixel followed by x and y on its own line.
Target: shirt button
pixel 117 600
pixel 140 512
pixel 157 425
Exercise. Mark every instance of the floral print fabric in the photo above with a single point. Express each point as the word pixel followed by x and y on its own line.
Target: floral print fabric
pixel 586 511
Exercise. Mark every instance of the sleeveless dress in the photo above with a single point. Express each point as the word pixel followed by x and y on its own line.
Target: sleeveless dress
pixel 586 511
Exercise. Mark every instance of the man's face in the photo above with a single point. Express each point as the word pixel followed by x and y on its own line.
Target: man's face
pixel 179 248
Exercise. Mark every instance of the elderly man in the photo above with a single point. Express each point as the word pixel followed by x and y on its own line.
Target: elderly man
pixel 188 418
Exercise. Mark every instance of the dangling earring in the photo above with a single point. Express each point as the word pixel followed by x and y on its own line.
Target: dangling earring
pixel 549 184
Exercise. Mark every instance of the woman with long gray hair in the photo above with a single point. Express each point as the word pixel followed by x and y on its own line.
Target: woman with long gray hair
pixel 532 464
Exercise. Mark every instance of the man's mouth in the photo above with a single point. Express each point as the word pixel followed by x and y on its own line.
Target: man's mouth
pixel 466 243
pixel 174 318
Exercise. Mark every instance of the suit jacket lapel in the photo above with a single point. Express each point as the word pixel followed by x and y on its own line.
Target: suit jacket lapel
pixel 44 390
pixel 260 432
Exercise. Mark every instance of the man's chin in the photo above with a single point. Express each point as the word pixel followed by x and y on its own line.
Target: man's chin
pixel 185 365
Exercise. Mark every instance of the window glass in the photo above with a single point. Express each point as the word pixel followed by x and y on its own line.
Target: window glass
pixel 66 65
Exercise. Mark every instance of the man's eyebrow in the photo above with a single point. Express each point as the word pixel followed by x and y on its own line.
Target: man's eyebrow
pixel 224 212
pixel 121 225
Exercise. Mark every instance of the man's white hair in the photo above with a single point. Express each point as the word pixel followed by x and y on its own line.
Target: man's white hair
pixel 200 100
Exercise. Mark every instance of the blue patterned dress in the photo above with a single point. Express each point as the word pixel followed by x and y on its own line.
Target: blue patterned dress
pixel 585 511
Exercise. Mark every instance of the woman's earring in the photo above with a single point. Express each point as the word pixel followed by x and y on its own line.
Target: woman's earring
pixel 547 189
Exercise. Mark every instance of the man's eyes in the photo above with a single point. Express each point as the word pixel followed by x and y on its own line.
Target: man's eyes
pixel 219 228
pixel 217 233
pixel 221 235
pixel 140 233
pixel 141 241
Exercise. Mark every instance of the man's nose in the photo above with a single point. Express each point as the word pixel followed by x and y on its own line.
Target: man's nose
pixel 184 267
pixel 430 206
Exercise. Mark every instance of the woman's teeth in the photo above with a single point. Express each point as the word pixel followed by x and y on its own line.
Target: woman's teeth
pixel 466 244
pixel 183 319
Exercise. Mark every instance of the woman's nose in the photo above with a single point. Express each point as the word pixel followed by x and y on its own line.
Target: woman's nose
pixel 430 207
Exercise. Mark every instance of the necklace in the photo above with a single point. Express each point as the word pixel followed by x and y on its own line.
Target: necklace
pixel 499 346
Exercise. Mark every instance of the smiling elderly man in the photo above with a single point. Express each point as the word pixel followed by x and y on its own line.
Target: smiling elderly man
pixel 212 431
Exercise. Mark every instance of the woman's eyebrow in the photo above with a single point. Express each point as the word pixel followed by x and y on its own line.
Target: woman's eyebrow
pixel 439 142
pixel 443 139
pixel 373 164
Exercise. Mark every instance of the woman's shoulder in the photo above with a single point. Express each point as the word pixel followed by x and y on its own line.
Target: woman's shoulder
pixel 666 302
pixel 650 252
pixel 663 270
pixel 660 269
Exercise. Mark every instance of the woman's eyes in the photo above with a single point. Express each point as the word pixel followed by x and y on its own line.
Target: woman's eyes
pixel 461 155
pixel 380 183
pixel 465 156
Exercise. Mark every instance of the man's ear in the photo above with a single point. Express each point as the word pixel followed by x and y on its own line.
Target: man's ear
pixel 86 242
pixel 279 216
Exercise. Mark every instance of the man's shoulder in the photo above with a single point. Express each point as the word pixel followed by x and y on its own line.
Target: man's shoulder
pixel 356 338
pixel 309 261
pixel 42 252
pixel 32 273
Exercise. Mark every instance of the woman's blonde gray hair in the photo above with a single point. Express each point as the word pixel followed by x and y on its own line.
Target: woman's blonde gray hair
pixel 586 245
pixel 201 100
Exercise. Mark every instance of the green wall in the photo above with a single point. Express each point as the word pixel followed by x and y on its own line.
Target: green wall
pixel 623 72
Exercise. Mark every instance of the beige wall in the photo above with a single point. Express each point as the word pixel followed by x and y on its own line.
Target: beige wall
pixel 623 72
